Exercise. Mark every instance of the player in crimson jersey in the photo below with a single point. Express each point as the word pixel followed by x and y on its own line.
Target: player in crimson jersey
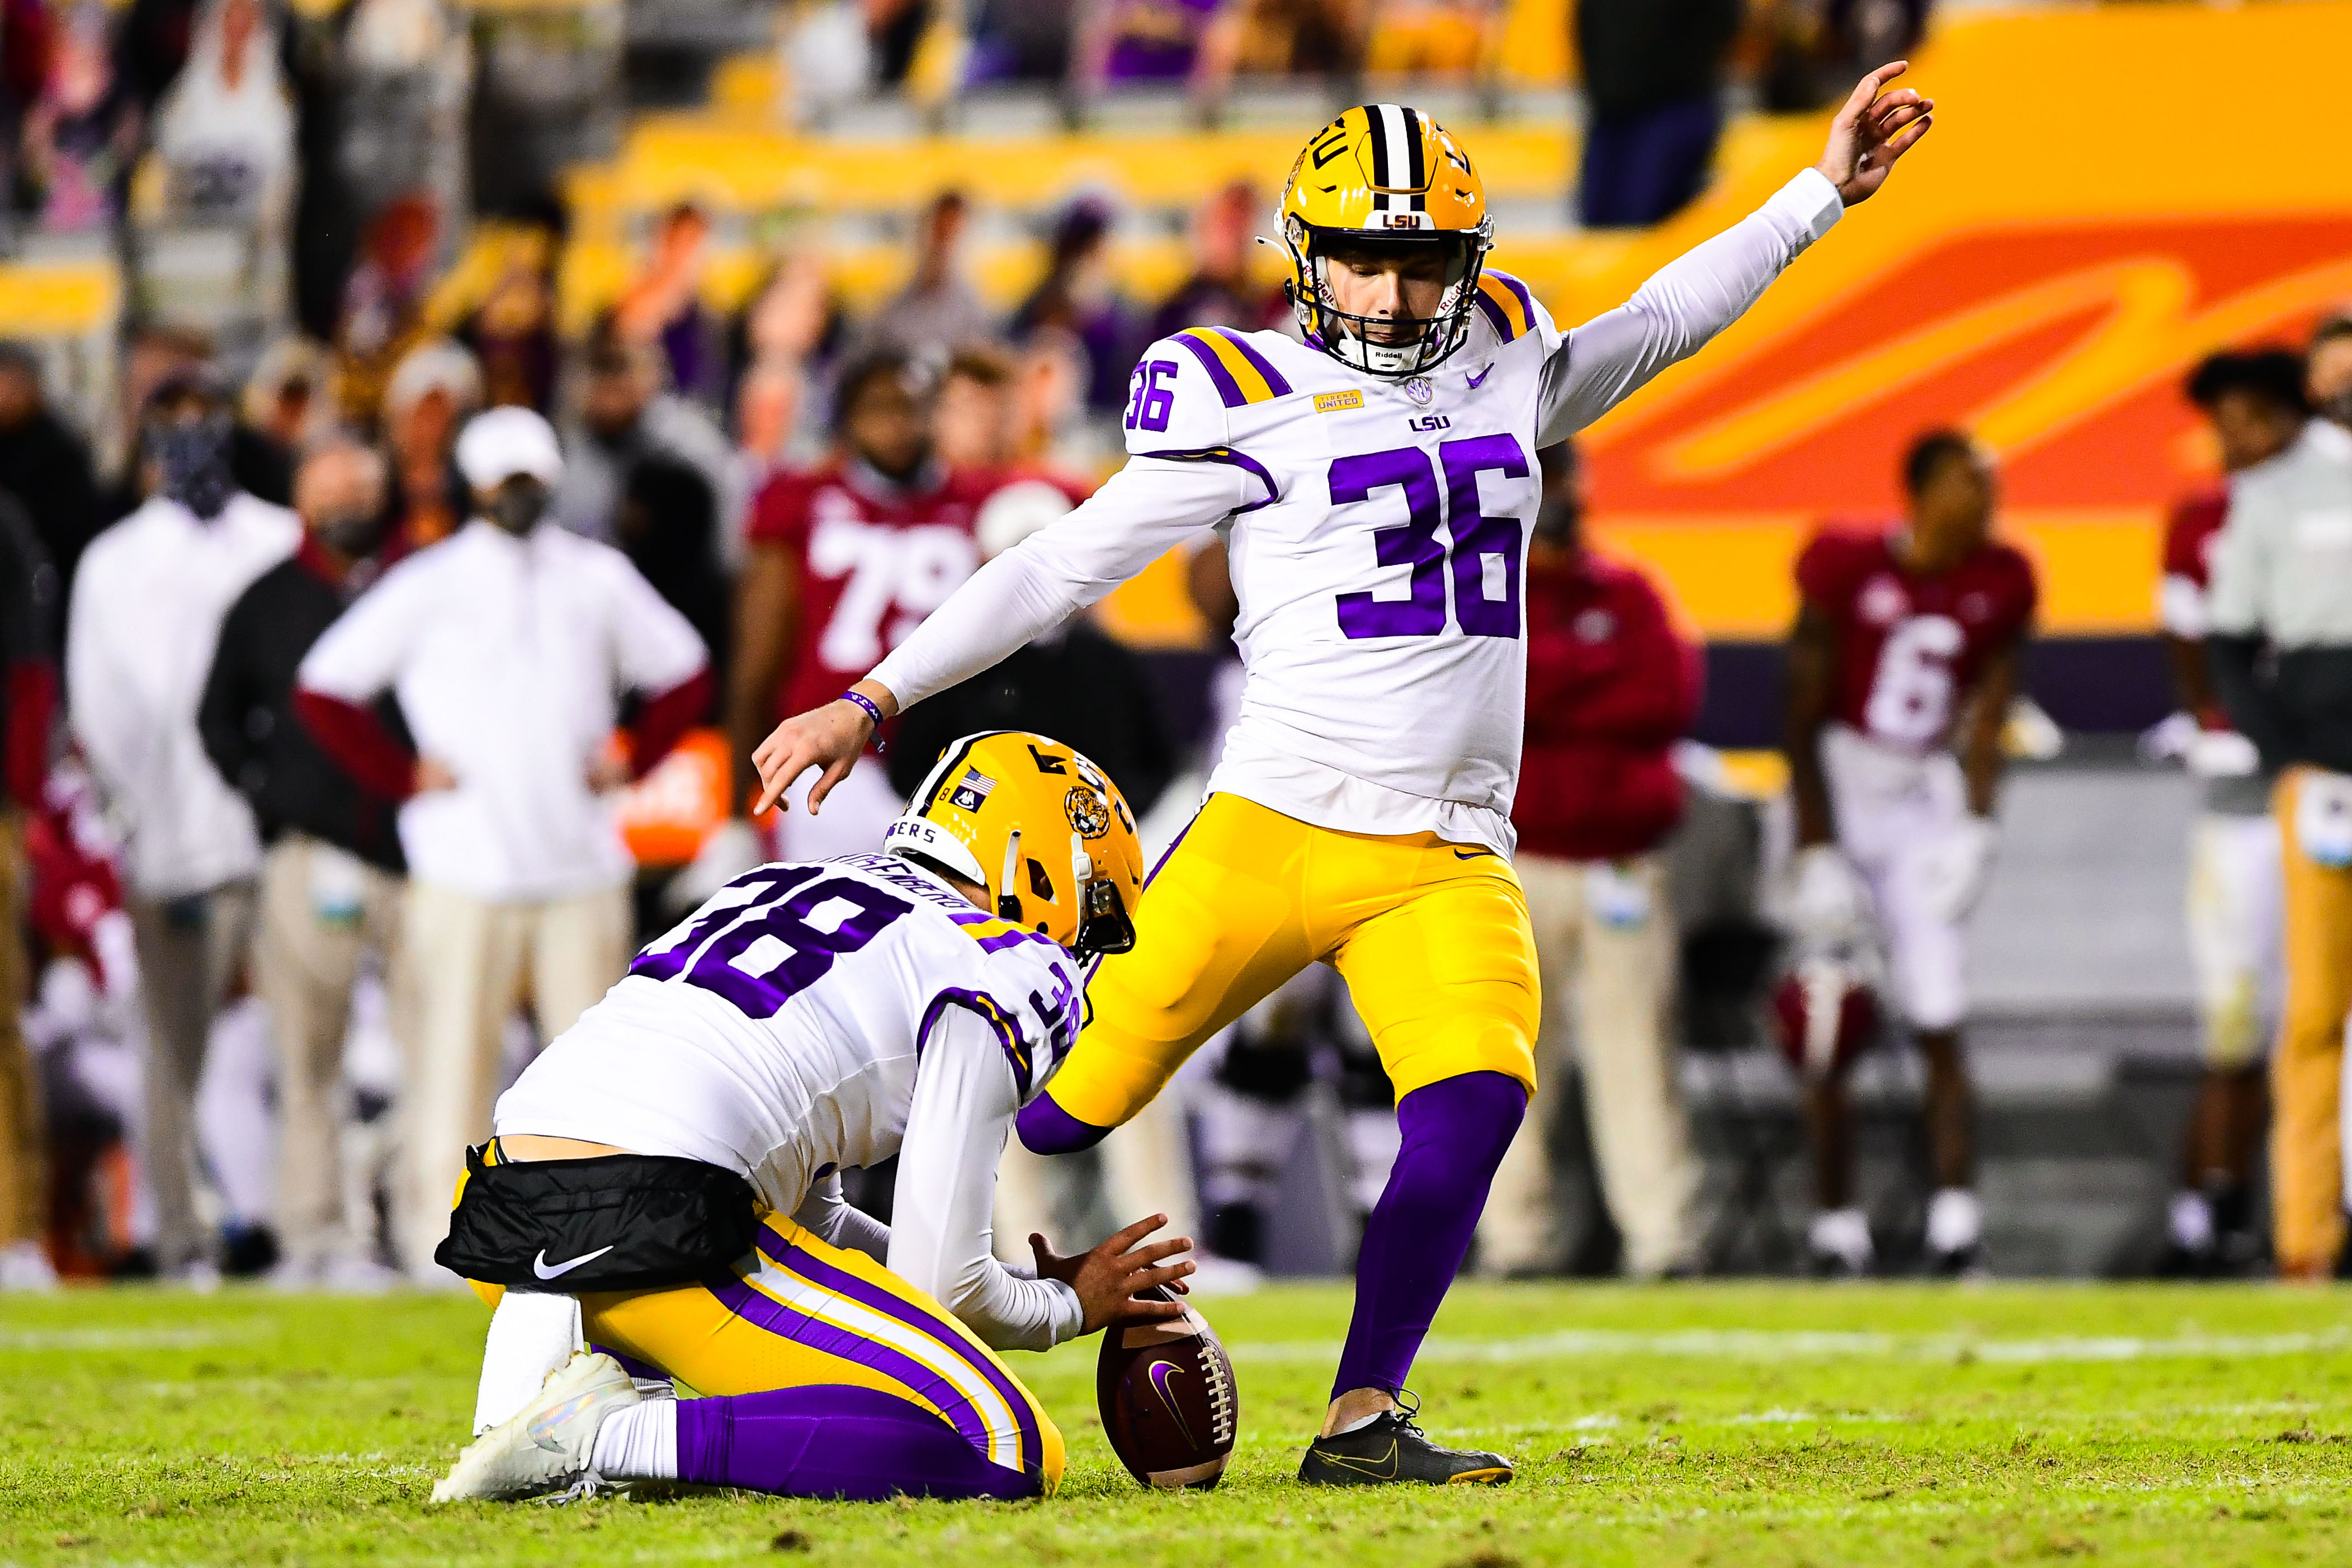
pixel 846 560
pixel 1901 668
pixel 2254 404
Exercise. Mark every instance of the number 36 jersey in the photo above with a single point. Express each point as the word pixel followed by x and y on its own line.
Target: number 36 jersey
pixel 1909 648
pixel 809 1018
pixel 1377 563
pixel 1375 529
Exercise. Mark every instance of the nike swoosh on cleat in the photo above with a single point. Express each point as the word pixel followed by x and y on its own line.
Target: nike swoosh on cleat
pixel 1375 1470
pixel 545 1270
pixel 1478 380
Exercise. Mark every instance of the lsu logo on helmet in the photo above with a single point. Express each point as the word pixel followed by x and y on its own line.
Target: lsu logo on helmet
pixel 1384 173
pixel 998 808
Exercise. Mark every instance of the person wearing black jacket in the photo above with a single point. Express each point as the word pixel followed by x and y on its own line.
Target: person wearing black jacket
pixel 1653 86
pixel 28 686
pixel 47 466
pixel 330 883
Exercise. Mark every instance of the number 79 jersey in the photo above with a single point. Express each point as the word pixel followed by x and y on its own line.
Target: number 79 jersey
pixel 1910 648
pixel 1381 624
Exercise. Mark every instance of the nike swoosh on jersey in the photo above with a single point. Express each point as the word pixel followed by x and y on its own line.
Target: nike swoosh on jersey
pixel 545 1270
pixel 1479 379
pixel 1368 1467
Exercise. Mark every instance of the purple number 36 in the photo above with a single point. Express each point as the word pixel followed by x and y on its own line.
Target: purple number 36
pixel 1422 612
pixel 1148 408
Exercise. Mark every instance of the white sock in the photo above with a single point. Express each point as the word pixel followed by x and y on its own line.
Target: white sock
pixel 2192 1221
pixel 1843 1234
pixel 638 1443
pixel 531 1335
pixel 1954 1220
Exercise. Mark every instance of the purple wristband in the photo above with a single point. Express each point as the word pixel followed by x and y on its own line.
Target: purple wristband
pixel 872 712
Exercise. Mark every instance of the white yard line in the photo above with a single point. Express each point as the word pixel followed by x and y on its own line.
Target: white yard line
pixel 1758 1344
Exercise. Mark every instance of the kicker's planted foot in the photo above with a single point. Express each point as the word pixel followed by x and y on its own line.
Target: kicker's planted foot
pixel 1391 1449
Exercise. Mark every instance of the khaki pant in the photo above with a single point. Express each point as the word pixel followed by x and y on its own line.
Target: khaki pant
pixel 190 949
pixel 24 1154
pixel 469 962
pixel 321 909
pixel 1605 943
pixel 2307 1138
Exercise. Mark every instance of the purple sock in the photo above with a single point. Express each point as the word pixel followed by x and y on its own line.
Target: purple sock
pixel 1454 1133
pixel 829 1440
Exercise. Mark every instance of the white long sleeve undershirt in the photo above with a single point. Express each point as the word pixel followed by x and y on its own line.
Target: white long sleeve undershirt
pixel 1153 504
pixel 943 1232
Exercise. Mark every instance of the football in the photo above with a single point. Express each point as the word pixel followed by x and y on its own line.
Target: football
pixel 1166 1392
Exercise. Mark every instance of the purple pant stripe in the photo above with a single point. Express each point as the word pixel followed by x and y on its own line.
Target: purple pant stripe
pixel 834 1440
pixel 873 1297
pixel 791 1323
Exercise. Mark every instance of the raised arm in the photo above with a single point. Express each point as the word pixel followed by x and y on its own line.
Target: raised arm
pixel 1691 298
pixel 1144 511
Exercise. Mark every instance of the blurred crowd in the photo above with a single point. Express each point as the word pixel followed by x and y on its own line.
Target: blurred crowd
pixel 356 628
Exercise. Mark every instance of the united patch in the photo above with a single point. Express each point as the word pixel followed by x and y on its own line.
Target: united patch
pixel 1332 402
pixel 971 790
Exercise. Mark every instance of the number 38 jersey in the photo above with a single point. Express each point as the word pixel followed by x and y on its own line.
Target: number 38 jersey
pixel 784 1028
pixel 1909 648
pixel 1376 563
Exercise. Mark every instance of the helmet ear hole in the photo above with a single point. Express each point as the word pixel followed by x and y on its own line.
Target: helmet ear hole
pixel 1039 883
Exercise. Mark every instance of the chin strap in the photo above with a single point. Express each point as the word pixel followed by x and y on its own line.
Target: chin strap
pixel 1008 902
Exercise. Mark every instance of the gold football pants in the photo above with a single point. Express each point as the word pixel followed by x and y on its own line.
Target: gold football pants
pixel 1432 939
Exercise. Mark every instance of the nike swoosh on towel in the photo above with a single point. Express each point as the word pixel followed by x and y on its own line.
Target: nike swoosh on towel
pixel 541 1267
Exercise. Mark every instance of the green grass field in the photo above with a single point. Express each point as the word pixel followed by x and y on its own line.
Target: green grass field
pixel 1730 1425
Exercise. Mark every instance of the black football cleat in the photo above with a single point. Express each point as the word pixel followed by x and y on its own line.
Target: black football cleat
pixel 1392 1450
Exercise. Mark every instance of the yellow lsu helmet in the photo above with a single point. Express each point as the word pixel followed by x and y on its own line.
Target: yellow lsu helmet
pixel 1004 801
pixel 1383 174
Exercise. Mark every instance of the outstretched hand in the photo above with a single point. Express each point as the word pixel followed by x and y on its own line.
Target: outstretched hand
pixel 830 738
pixel 1872 131
pixel 1110 1279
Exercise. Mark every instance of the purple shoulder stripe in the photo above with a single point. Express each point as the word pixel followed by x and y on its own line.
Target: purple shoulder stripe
pixel 1494 316
pixel 1002 1024
pixel 1218 376
pixel 1519 290
pixel 1228 456
pixel 1258 362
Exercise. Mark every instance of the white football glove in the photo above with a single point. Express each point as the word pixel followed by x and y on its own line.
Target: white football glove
pixel 1829 907
pixel 733 847
pixel 1956 871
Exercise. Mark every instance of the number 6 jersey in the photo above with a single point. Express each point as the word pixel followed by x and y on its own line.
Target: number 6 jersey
pixel 1910 648
pixel 809 1018
pixel 1377 530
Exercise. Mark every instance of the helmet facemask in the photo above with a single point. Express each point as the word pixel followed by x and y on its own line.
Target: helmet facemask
pixel 1349 338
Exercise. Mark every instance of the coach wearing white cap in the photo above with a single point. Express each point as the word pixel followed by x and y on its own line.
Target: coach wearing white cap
pixel 508 646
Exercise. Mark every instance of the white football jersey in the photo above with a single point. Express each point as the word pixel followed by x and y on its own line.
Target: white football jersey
pixel 1378 569
pixel 1377 530
pixel 813 1017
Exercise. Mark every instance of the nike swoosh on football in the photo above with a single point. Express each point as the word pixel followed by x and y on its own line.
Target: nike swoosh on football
pixel 1380 1471
pixel 1478 380
pixel 541 1267
pixel 1161 1373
